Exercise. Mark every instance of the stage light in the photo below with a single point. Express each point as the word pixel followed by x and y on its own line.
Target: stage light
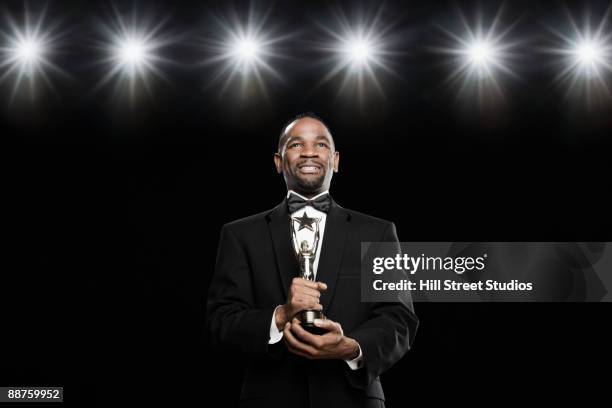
pixel 584 59
pixel 131 46
pixel 134 56
pixel 590 57
pixel 359 50
pixel 25 55
pixel 246 50
pixel 240 51
pixel 132 52
pixel 483 56
pixel 357 53
pixel 28 51
pixel 589 54
pixel 132 59
pixel 480 54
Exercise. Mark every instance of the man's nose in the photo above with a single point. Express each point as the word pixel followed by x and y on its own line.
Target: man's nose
pixel 309 151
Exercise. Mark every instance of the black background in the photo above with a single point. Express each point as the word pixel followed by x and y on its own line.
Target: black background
pixel 117 208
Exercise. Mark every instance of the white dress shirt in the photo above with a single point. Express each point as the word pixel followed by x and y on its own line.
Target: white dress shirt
pixel 275 334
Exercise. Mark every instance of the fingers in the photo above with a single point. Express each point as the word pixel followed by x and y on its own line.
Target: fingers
pixel 329 325
pixel 309 292
pixel 300 291
pixel 295 346
pixel 320 286
pixel 303 296
pixel 305 303
pixel 332 337
pixel 305 336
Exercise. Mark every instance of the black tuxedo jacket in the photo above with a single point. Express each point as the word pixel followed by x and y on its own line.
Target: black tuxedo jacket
pixel 254 268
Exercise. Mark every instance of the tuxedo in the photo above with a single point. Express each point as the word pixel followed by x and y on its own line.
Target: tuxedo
pixel 254 269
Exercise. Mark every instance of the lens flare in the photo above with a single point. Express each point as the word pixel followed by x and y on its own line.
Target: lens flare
pixel 133 47
pixel 26 54
pixel 583 58
pixel 359 51
pixel 241 52
pixel 482 56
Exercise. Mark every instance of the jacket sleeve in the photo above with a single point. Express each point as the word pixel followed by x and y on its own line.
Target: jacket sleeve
pixel 232 320
pixel 387 334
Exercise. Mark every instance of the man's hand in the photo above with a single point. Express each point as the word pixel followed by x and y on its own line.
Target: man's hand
pixel 303 295
pixel 331 345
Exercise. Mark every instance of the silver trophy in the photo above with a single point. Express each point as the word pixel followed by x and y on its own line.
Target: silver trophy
pixel 305 233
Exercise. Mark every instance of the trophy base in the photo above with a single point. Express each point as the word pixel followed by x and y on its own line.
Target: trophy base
pixel 307 318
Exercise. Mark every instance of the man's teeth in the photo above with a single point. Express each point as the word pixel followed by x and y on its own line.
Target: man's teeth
pixel 309 168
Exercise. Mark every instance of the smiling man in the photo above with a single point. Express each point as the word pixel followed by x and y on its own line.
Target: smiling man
pixel 256 293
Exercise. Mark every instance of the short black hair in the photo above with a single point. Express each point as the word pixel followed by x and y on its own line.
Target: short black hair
pixel 283 135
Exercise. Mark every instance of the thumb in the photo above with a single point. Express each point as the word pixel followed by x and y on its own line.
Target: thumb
pixel 325 324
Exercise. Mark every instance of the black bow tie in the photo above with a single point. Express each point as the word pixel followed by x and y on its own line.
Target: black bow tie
pixel 321 203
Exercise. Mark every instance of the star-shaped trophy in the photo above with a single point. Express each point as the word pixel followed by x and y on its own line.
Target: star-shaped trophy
pixel 305 233
pixel 306 222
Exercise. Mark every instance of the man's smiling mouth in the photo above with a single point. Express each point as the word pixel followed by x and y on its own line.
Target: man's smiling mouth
pixel 309 169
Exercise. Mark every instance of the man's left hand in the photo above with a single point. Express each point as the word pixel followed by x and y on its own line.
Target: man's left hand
pixel 331 345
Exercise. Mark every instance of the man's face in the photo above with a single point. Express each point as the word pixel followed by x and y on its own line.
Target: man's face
pixel 308 157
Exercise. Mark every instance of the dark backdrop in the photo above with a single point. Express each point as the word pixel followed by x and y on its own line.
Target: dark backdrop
pixel 117 208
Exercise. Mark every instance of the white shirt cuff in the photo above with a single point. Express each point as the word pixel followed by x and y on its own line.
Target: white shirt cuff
pixel 357 362
pixel 275 334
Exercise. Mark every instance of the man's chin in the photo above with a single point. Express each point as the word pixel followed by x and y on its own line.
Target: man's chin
pixel 310 185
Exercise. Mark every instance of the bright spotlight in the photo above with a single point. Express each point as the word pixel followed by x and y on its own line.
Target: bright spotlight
pixel 480 53
pixel 132 52
pixel 589 54
pixel 584 59
pixel 25 54
pixel 132 57
pixel 132 48
pixel 246 49
pixel 240 52
pixel 28 51
pixel 482 56
pixel 359 50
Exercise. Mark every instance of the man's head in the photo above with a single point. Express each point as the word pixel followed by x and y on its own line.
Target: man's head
pixel 306 155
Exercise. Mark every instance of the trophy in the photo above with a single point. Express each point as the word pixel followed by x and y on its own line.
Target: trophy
pixel 305 235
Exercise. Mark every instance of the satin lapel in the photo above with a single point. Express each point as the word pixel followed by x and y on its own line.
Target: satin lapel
pixel 286 262
pixel 334 239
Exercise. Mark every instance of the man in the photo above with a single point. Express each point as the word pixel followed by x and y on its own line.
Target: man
pixel 255 292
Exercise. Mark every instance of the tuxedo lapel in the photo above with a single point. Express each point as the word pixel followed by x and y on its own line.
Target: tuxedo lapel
pixel 334 239
pixel 286 262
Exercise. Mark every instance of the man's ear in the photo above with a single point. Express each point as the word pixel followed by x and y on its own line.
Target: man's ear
pixel 336 161
pixel 278 162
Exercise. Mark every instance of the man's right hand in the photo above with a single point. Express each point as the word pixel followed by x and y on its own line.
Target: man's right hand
pixel 303 295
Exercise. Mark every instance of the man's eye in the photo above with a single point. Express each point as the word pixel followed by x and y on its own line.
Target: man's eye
pixel 295 145
pixel 322 144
